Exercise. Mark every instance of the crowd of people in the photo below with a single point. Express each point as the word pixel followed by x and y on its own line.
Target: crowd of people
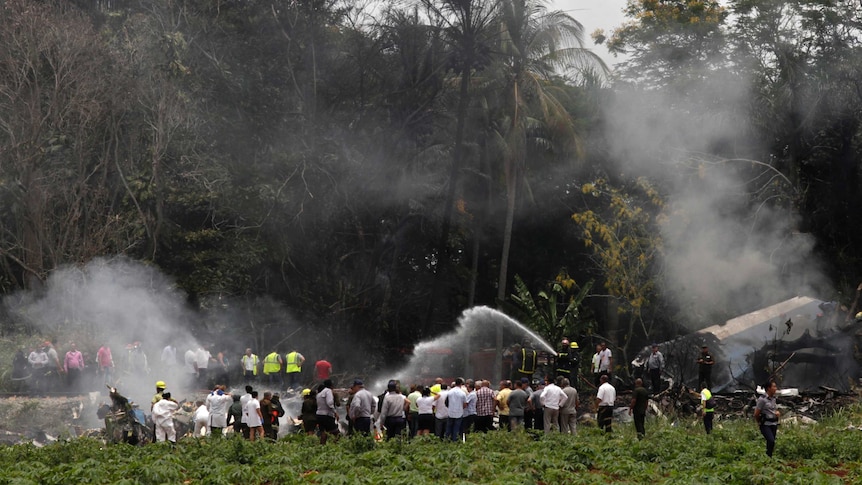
pixel 448 410
pixel 45 369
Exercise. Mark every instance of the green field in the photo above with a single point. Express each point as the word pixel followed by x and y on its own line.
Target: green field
pixel 828 452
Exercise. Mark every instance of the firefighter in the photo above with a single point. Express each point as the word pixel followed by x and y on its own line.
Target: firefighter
pixel 525 359
pixel 574 363
pixel 563 363
pixel 160 390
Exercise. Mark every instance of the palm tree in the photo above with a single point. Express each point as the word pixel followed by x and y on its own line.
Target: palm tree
pixel 534 44
pixel 468 29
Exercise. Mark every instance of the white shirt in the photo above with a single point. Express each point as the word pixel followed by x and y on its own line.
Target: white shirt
pixel 243 400
pixel 425 404
pixel 605 360
pixel 218 407
pixel 442 411
pixel 553 397
pixel 169 355
pixel 607 394
pixel 250 411
pixel 457 400
pixel 203 358
pixel 202 415
pixel 189 358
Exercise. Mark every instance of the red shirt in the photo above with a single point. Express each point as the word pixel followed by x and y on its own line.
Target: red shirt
pixel 322 368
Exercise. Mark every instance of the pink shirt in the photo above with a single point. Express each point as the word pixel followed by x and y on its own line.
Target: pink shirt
pixel 74 360
pixel 103 357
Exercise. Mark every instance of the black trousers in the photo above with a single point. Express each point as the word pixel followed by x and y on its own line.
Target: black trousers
pixel 640 419
pixel 606 417
pixel 655 379
pixel 707 422
pixel 769 431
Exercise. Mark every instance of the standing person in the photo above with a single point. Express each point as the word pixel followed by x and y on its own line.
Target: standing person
pixel 361 408
pixel 503 403
pixel 553 398
pixel 277 413
pixel 456 402
pixel 413 412
pixel 163 418
pixel 704 366
pixel 594 367
pixel 606 361
pixel 392 412
pixel 470 411
pixel 441 411
pixel 253 417
pixel 308 412
pixel 425 403
pixel 54 367
pixel 525 360
pixel 106 363
pixel 190 366
pixel 322 370
pixel 517 406
pixel 235 414
pixel 569 411
pixel 159 395
pixel 73 365
pixel 293 368
pixel 484 407
pixel 266 415
pixel 327 417
pixel 529 412
pixel 203 358
pixel 218 403
pixel 272 364
pixel 168 359
pixel 655 366
pixel 708 406
pixel 563 365
pixel 766 414
pixel 534 403
pixel 605 402
pixel 249 363
pixel 638 407
pixel 244 400
pixel 222 374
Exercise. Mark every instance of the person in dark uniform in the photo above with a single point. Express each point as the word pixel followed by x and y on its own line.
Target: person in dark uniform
pixel 704 366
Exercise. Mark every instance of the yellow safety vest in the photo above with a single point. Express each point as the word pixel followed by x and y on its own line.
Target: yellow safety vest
pixel 706 395
pixel 292 360
pixel 270 364
pixel 253 357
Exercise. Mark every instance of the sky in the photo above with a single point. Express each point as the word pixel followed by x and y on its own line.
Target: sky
pixel 594 14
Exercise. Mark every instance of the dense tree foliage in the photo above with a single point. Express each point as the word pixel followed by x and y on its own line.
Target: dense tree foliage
pixel 380 166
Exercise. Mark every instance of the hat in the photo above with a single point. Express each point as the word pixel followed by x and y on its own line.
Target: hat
pixel 306 392
pixel 574 345
pixel 525 380
pixel 161 384
pixel 357 382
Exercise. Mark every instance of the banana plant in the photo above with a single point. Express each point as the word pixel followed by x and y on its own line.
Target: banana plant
pixel 554 312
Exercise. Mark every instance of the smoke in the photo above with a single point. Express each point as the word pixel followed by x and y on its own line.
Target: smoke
pixel 730 237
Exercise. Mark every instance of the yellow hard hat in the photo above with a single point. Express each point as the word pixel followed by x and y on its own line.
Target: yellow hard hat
pixel 161 384
pixel 574 345
pixel 306 392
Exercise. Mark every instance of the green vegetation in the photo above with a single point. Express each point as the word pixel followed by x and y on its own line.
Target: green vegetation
pixel 825 453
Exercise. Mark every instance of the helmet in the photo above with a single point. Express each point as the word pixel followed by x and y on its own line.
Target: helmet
pixel 306 392
pixel 574 345
pixel 859 316
pixel 161 384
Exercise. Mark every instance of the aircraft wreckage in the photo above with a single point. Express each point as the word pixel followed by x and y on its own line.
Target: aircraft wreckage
pixel 802 342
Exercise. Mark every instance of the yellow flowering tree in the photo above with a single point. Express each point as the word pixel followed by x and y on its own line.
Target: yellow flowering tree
pixel 620 232
pixel 670 40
